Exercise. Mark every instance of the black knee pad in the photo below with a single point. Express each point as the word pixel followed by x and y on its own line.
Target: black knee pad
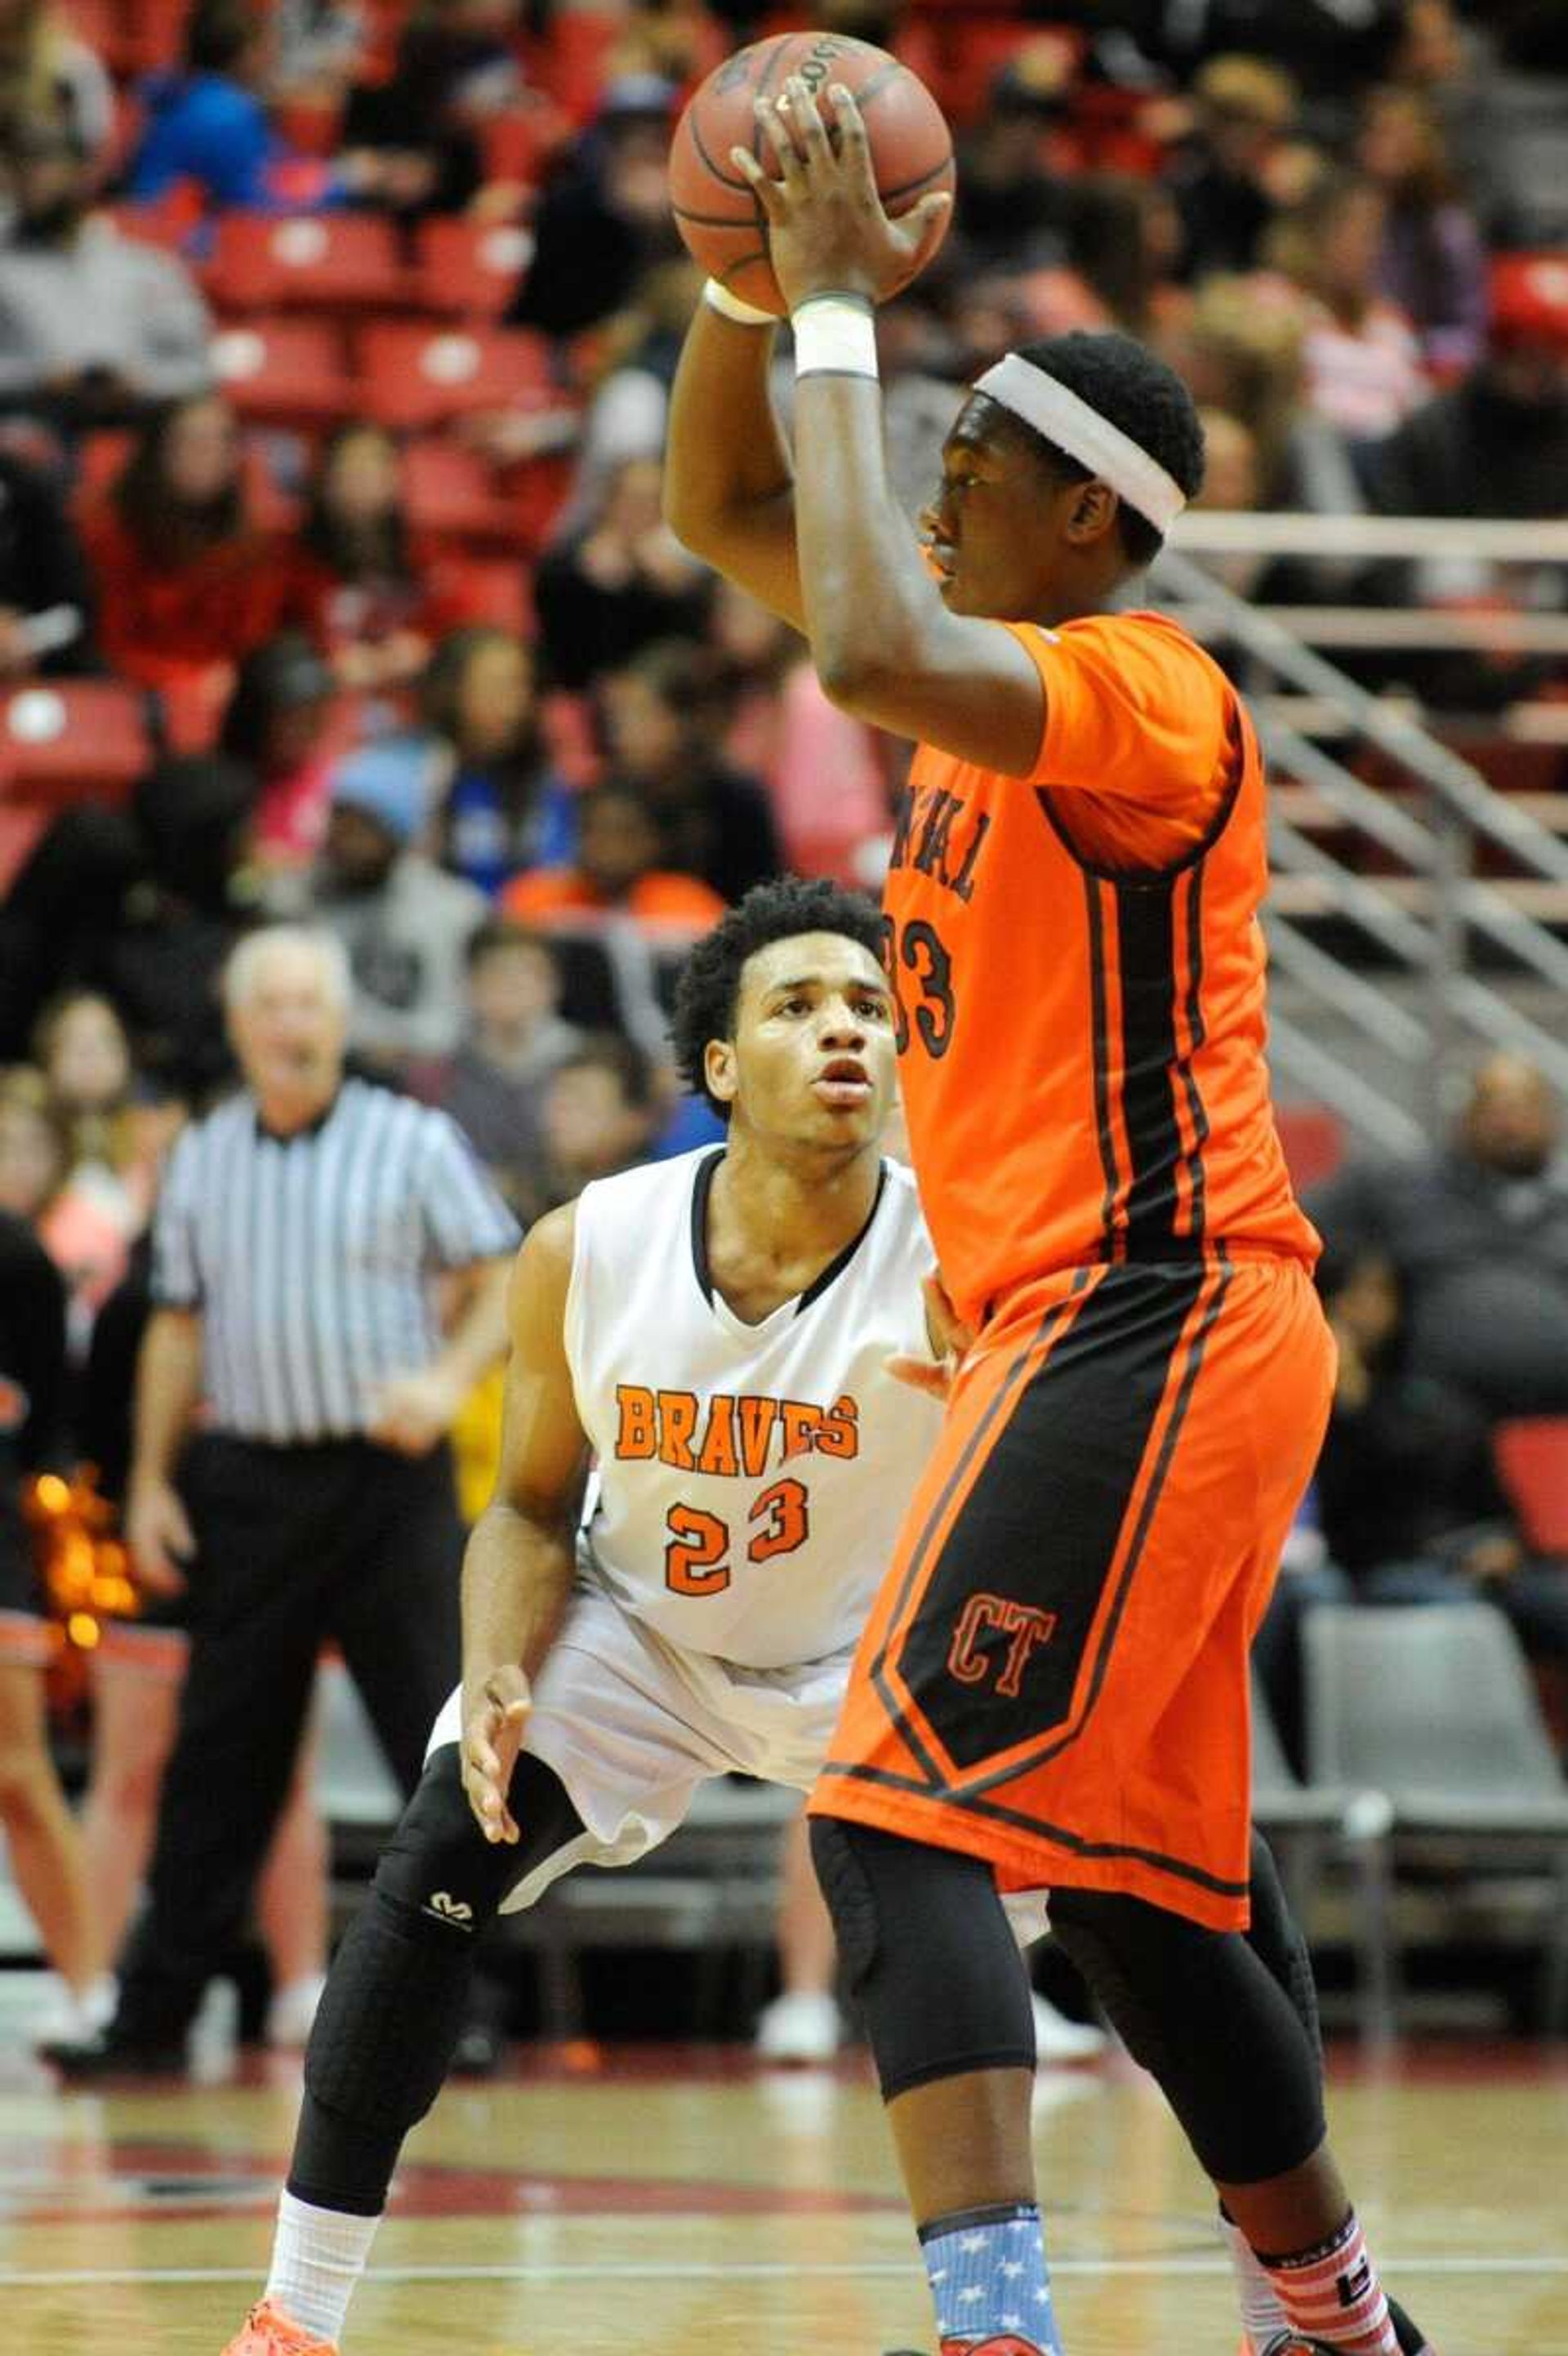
pixel 1275 1935
pixel 1210 2021
pixel 388 2021
pixel 847 1893
pixel 929 1954
pixel 398 1993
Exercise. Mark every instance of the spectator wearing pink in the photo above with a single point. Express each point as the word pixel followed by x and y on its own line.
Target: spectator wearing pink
pixel 87 1237
pixel 1362 360
pixel 822 767
pixel 278 726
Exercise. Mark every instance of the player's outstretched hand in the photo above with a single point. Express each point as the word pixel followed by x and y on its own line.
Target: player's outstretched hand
pixel 828 233
pixel 950 1340
pixel 494 1716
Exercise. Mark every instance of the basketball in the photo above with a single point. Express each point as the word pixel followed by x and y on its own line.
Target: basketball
pixel 717 214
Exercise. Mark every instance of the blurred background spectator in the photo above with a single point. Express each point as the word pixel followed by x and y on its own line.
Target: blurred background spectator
pixel 514 1037
pixel 403 921
pixel 361 584
pixel 94 327
pixel 276 727
pixel 1476 1238
pixel 187 584
pixel 619 584
pixel 663 715
pixel 501 807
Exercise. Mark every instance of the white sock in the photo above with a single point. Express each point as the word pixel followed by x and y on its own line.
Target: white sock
pixel 1263 2318
pixel 318 2257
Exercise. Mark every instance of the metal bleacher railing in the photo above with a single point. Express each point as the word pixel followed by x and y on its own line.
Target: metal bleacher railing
pixel 1377 1020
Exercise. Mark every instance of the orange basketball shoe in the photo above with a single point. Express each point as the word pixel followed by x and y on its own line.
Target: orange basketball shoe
pixel 268 2331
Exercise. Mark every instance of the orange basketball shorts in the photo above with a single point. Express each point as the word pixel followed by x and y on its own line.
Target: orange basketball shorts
pixel 1054 1676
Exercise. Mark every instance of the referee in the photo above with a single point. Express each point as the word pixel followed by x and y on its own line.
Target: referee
pixel 294 1373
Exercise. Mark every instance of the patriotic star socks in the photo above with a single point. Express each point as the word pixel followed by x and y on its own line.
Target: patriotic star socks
pixel 989 2282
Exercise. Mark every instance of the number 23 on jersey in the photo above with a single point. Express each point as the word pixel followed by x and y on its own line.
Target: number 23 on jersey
pixel 701 1544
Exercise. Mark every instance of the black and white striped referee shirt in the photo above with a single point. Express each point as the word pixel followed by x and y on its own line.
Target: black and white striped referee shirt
pixel 310 1257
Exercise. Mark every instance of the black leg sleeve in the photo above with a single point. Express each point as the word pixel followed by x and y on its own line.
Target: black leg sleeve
pixel 929 1952
pixel 1210 2020
pixel 396 1996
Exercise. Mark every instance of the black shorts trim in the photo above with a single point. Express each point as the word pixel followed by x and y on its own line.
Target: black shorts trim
pixel 1035 1826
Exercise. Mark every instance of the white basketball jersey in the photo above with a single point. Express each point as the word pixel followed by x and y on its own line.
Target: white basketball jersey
pixel 751 1479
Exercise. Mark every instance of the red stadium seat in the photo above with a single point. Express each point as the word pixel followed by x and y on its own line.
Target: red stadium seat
pixel 573 63
pixel 1532 1456
pixel 517 145
pixel 285 371
pixel 167 220
pixel 154 34
pixel 72 739
pixel 1314 1141
pixel 470 269
pixel 452 495
pixel 414 377
pixel 492 590
pixel 458 499
pixel 21 823
pixel 310 125
pixel 308 261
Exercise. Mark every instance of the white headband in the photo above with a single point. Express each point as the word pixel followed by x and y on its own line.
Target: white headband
pixel 1071 425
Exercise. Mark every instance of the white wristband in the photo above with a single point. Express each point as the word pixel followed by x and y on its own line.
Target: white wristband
pixel 730 307
pixel 835 335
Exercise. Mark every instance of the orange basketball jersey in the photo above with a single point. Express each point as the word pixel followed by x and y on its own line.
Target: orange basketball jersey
pixel 1079 969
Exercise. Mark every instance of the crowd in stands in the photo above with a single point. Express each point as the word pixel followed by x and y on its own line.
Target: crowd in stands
pixel 335 347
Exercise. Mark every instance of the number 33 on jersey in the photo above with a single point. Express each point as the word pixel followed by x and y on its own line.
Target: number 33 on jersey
pixel 751 1479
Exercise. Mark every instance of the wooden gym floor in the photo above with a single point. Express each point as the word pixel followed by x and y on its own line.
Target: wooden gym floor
pixel 683 2202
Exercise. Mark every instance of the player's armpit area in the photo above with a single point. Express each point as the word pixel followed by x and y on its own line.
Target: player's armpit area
pixel 969 688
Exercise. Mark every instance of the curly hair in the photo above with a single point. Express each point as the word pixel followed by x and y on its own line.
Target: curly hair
pixel 709 985
pixel 1131 388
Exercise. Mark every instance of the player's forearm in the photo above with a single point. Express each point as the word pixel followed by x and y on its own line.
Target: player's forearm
pixel 168 1389
pixel 516 1576
pixel 870 606
pixel 725 453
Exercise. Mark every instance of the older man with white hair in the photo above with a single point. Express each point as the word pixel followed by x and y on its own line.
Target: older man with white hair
pixel 294 1394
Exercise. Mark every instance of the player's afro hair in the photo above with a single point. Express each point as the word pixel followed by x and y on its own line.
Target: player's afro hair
pixel 709 982
pixel 1126 384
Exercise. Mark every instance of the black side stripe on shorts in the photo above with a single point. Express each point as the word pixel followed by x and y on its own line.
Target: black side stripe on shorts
pixel 1152 1495
pixel 1040 1534
pixel 1039 1829
pixel 1054 1318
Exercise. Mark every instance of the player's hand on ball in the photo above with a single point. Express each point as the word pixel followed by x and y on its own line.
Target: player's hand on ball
pixel 828 233
pixel 493 1717
pixel 951 1341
